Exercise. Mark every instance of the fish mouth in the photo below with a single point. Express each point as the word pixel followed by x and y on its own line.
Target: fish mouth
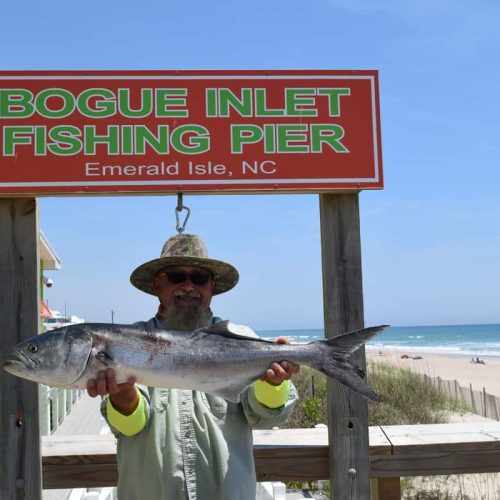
pixel 19 362
pixel 14 366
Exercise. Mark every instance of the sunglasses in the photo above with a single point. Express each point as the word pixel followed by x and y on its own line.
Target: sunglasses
pixel 196 278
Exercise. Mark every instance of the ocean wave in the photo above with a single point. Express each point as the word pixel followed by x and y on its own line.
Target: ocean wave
pixel 452 340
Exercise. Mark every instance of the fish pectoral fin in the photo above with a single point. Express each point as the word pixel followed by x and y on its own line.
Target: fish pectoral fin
pixel 231 391
pixel 228 393
pixel 106 359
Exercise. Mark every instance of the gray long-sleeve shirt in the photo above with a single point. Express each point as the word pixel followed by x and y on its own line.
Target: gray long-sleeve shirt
pixel 195 446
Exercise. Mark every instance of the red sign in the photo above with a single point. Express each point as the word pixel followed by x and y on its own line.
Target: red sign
pixel 191 131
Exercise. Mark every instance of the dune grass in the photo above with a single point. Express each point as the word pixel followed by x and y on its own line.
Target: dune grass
pixel 407 398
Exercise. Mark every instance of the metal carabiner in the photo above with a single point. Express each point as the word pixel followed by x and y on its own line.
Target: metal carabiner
pixel 180 207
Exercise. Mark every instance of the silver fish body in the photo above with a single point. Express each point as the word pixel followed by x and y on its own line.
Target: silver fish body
pixel 211 360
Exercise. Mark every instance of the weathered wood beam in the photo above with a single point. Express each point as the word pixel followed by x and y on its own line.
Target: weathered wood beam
pixel 386 488
pixel 20 463
pixel 343 312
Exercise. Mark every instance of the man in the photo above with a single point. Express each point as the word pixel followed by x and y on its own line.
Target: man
pixel 180 444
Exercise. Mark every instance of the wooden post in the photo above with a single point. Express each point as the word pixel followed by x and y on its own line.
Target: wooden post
pixel 20 463
pixel 349 468
pixel 44 409
pixel 473 403
pixel 386 488
pixel 484 403
pixel 54 409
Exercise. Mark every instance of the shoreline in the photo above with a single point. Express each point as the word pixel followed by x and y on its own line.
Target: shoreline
pixel 431 351
pixel 447 366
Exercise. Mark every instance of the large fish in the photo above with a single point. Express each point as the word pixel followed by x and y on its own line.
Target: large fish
pixel 211 360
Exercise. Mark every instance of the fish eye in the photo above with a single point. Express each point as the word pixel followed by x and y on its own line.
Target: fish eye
pixel 32 348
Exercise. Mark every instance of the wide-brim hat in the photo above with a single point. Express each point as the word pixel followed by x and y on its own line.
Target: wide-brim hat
pixel 185 250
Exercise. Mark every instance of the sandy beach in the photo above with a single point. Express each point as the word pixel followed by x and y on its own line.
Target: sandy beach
pixel 473 486
pixel 448 368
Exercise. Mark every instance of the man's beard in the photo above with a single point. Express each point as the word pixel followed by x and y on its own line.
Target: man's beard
pixel 185 318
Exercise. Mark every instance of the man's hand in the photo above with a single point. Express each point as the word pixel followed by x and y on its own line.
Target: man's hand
pixel 277 373
pixel 123 396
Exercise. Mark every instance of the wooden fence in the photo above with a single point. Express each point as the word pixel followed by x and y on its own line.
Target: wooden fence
pixel 479 402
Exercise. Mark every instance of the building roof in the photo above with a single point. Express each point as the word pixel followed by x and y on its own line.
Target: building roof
pixel 48 256
pixel 44 310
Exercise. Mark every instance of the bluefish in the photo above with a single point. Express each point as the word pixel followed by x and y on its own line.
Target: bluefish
pixel 212 360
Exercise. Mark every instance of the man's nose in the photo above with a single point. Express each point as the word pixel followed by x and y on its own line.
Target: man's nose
pixel 188 284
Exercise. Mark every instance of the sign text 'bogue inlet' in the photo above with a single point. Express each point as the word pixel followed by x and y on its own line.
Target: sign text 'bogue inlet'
pixel 80 132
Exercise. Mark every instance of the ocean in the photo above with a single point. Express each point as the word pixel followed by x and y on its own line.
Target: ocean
pixel 459 340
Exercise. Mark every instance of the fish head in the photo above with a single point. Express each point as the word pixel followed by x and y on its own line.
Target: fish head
pixel 57 358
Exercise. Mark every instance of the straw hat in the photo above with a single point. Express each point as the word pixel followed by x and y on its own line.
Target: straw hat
pixel 185 250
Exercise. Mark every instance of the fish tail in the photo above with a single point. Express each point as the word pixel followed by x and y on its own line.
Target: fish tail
pixel 333 359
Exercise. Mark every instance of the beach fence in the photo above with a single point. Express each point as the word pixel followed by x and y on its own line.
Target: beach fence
pixel 481 402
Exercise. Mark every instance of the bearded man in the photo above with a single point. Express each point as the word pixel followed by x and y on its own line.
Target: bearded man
pixel 183 444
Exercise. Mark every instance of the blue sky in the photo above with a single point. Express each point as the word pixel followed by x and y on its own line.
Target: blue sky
pixel 430 239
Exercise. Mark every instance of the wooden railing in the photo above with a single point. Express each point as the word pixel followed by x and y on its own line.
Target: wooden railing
pixel 302 455
pixel 54 406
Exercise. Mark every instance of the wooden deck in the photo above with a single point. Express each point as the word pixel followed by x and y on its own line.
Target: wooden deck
pixel 302 454
pixel 83 420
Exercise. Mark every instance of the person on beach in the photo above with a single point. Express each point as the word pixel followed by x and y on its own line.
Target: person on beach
pixel 182 444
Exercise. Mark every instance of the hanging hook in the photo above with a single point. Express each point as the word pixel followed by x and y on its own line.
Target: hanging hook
pixel 180 207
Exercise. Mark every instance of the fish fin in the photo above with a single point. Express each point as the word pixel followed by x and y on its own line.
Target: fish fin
pixel 352 377
pixel 334 359
pixel 229 393
pixel 347 343
pixel 222 329
pixel 106 359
